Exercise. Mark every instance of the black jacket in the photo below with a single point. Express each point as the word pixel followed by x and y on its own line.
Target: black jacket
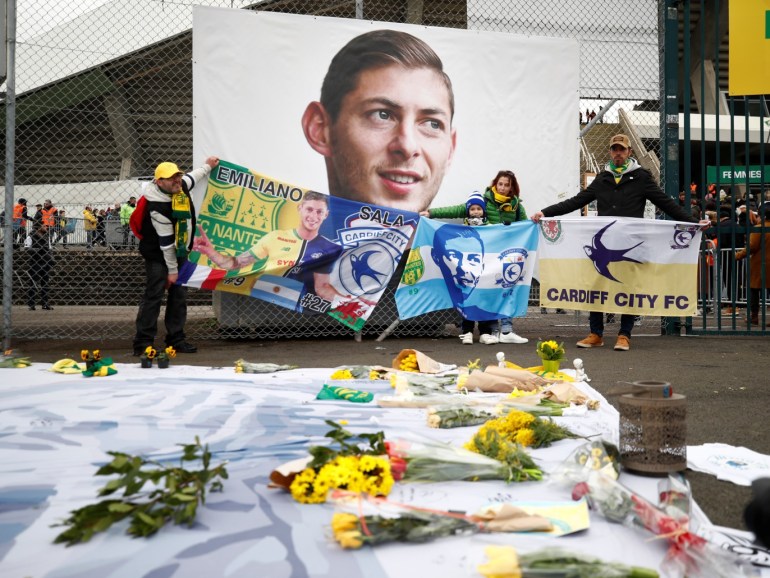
pixel 624 199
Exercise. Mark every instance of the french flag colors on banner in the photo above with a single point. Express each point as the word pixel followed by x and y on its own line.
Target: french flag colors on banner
pixel 483 272
pixel 295 248
pixel 619 265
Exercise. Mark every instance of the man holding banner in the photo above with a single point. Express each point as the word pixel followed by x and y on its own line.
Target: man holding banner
pixel 621 190
pixel 384 121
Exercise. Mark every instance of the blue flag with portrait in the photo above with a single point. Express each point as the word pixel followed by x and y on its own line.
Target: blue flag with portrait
pixel 483 272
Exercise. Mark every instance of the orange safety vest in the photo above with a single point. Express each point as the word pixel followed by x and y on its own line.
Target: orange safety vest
pixel 49 219
pixel 18 213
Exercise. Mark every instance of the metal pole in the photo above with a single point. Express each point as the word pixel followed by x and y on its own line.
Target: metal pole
pixel 669 121
pixel 10 138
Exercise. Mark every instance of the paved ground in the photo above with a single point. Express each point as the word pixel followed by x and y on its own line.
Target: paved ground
pixel 724 378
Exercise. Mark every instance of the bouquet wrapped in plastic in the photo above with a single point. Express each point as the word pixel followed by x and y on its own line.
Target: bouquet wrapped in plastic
pixel 688 554
pixel 505 561
pixel 390 523
pixel 432 461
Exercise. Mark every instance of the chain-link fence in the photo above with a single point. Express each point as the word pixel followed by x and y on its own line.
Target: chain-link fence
pixel 104 92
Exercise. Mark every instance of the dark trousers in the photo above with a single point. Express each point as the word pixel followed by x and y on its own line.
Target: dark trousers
pixel 596 323
pixel 39 272
pixel 149 309
pixel 489 327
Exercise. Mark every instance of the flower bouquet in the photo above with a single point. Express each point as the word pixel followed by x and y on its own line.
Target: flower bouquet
pixel 10 360
pixel 556 563
pixel 551 353
pixel 520 427
pixel 688 554
pixel 149 354
pixel 348 467
pixel 242 366
pixel 165 356
pixel 422 459
pixel 413 525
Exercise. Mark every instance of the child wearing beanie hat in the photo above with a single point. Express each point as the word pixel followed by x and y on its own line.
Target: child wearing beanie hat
pixel 475 210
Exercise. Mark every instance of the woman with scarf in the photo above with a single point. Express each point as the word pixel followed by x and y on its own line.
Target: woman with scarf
pixel 503 205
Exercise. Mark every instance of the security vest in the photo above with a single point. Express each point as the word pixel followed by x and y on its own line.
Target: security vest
pixel 49 219
pixel 18 215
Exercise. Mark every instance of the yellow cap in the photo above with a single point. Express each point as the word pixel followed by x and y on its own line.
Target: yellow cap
pixel 167 170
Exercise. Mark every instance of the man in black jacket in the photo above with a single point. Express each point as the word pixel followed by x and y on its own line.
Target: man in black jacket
pixel 164 247
pixel 620 190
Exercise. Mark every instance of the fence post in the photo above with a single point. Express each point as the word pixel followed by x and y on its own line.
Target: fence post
pixel 669 123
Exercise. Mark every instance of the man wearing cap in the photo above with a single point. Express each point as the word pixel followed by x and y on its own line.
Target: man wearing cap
pixel 164 246
pixel 620 190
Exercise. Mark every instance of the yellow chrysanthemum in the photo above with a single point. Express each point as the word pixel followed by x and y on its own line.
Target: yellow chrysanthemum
pixel 303 490
pixel 409 363
pixel 374 374
pixel 462 380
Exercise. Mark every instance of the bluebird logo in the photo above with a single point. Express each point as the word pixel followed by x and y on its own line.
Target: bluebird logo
pixel 683 236
pixel 602 256
pixel 366 269
pixel 513 262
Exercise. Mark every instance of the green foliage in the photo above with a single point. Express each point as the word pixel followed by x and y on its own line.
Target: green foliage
pixel 348 445
pixel 149 498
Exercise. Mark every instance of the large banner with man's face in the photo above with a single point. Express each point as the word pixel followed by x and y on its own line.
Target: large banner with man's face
pixel 294 247
pixel 398 115
pixel 483 272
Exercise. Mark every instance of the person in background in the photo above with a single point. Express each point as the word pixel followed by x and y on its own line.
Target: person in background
pixel 101 228
pixel 502 205
pixel 89 225
pixel 41 262
pixel 60 231
pixel 759 259
pixel 38 216
pixel 125 217
pixel 19 224
pixel 164 247
pixel 620 190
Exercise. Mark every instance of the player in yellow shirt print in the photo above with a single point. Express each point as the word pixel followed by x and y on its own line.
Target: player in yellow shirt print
pixel 285 252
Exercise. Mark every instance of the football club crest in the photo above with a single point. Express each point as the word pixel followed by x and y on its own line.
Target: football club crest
pixel 513 262
pixel 683 236
pixel 414 269
pixel 366 269
pixel 551 230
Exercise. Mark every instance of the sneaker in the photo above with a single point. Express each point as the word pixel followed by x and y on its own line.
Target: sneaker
pixel 466 338
pixel 47 307
pixel 512 338
pixel 543 311
pixel 623 343
pixel 637 321
pixel 560 311
pixel 487 339
pixel 593 340
pixel 184 347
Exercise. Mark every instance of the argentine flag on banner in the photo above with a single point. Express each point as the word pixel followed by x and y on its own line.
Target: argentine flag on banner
pixel 619 265
pixel 483 272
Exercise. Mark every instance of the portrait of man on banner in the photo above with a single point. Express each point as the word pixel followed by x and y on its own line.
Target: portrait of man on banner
pixel 482 272
pixel 384 113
